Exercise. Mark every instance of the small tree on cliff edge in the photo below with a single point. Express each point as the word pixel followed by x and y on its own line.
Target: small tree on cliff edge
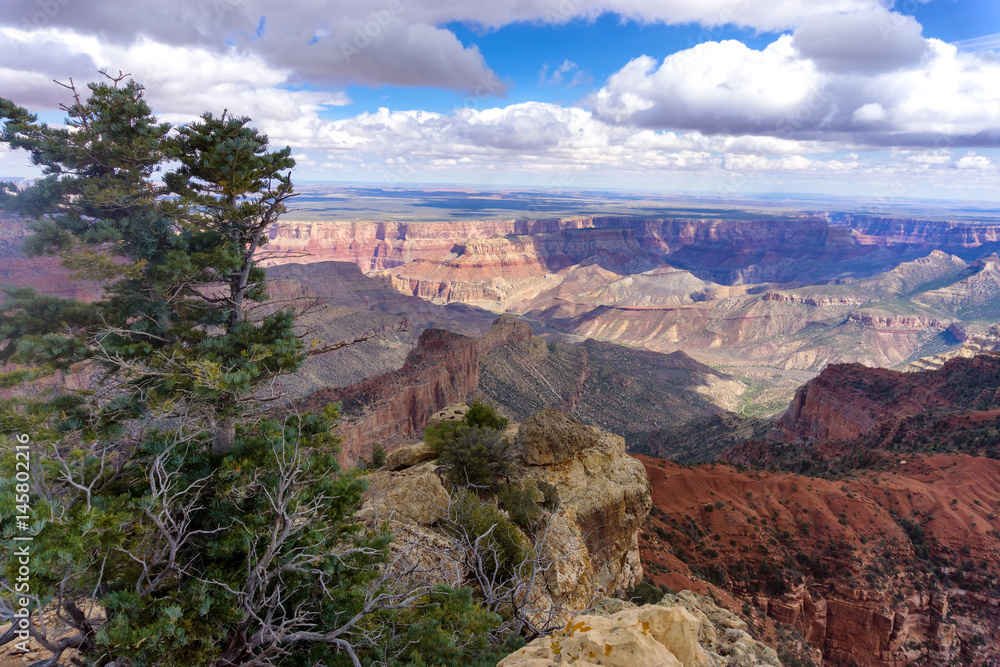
pixel 163 534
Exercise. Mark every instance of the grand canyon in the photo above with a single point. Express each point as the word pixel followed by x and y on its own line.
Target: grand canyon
pixel 814 397
pixel 548 333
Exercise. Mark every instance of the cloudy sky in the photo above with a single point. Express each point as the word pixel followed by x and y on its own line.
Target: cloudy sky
pixel 856 97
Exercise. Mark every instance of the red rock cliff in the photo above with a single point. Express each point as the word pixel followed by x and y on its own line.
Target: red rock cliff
pixel 849 400
pixel 391 409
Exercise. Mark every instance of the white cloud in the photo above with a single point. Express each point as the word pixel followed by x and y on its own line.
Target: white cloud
pixel 864 42
pixel 377 42
pixel 561 74
pixel 182 82
pixel 934 96
pixel 713 87
pixel 973 161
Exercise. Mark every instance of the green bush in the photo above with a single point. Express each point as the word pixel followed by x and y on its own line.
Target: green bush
pixel 501 545
pixel 437 435
pixel 644 592
pixel 447 628
pixel 473 456
pixel 522 502
pixel 485 416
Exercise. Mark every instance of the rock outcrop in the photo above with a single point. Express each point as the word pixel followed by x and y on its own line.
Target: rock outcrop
pixel 392 409
pixel 685 630
pixel 630 391
pixel 605 490
pixel 850 400
pixel 590 540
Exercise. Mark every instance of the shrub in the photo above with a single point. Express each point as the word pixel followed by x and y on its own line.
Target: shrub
pixel 485 416
pixel 445 628
pixel 644 592
pixel 473 456
pixel 437 435
pixel 501 545
pixel 521 503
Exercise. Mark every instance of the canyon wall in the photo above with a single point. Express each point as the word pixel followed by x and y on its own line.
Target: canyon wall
pixel 847 401
pixel 392 408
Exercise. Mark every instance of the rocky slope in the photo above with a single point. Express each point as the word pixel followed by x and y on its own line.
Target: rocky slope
pixel 591 538
pixel 890 568
pixel 703 439
pixel 627 390
pixel 685 631
pixel 341 303
pixel 879 320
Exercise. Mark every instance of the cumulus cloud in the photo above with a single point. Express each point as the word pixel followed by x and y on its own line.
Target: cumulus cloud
pixel 376 42
pixel 371 42
pixel 867 42
pixel 718 87
pixel 918 92
pixel 182 82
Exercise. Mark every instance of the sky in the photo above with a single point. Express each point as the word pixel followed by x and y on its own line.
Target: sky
pixel 869 98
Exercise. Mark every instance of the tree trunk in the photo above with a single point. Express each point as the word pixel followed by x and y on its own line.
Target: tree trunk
pixel 223 435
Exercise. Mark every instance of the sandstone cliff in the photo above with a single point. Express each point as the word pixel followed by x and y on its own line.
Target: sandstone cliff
pixel 392 408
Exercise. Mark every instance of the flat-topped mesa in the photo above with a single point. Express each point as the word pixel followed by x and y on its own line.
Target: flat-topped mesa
pixel 730 251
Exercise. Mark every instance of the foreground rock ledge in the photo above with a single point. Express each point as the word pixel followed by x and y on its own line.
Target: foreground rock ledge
pixel 685 630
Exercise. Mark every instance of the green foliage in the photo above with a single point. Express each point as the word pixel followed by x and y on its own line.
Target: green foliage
pixel 378 456
pixel 438 435
pixel 485 416
pixel 474 456
pixel 502 548
pixel 177 258
pixel 523 502
pixel 447 628
pixel 645 592
pixel 217 536
pixel 182 608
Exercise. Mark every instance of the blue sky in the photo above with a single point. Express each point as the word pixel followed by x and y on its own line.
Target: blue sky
pixel 727 96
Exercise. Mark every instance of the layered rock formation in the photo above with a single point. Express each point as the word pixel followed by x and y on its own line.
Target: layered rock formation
pixel 392 408
pixel 590 546
pixel 888 568
pixel 729 251
pixel 628 390
pixel 339 303
pixel 850 400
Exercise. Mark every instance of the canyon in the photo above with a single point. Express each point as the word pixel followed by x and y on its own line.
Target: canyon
pixel 771 299
pixel 630 391
pixel 885 568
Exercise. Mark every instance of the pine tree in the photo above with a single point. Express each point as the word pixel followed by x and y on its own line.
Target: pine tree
pixel 173 524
